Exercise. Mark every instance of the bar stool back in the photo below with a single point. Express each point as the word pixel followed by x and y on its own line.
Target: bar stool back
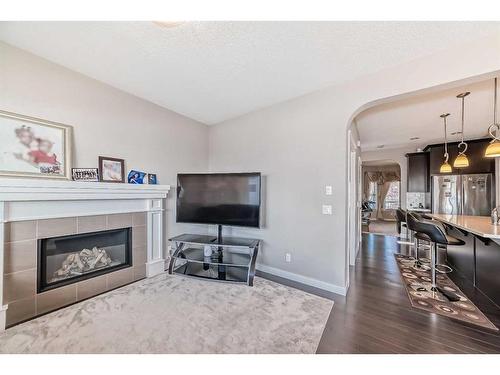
pixel 401 219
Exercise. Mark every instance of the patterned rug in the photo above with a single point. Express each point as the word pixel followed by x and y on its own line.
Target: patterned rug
pixel 415 279
pixel 174 314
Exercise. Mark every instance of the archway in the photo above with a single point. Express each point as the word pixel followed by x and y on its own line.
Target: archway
pixel 352 245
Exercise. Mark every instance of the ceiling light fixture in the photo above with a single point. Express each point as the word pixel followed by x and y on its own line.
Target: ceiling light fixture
pixel 461 160
pixel 445 167
pixel 168 24
pixel 493 149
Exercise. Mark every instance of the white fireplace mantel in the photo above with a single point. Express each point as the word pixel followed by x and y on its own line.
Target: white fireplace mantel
pixel 35 199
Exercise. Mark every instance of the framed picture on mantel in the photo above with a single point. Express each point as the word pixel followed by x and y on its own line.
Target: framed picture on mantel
pixel 32 147
pixel 111 169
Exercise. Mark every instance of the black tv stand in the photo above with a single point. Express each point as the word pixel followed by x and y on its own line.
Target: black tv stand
pixel 233 258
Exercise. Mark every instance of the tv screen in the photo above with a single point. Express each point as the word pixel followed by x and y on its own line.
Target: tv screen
pixel 219 198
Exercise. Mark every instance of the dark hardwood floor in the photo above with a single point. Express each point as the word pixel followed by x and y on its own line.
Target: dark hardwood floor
pixel 376 315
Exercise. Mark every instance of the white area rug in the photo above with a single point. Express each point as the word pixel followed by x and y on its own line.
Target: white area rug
pixel 173 314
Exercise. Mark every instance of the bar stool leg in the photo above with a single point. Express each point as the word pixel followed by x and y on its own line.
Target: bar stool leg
pixel 416 244
pixel 433 266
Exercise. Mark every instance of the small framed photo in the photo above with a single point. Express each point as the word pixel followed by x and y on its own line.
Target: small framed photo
pixel 85 174
pixel 136 177
pixel 152 179
pixel 111 169
pixel 32 147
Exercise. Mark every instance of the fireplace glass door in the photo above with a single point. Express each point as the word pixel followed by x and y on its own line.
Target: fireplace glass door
pixel 68 259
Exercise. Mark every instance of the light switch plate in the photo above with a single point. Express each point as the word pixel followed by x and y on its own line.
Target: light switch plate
pixel 328 190
pixel 327 209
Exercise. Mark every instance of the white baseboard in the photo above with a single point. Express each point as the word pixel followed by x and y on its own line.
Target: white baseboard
pixel 3 317
pixel 155 267
pixel 303 279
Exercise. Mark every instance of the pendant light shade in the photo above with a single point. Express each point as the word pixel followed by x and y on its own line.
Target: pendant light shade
pixel 445 167
pixel 493 149
pixel 462 161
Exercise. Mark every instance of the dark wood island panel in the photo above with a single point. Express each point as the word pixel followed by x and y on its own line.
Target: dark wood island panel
pixel 488 269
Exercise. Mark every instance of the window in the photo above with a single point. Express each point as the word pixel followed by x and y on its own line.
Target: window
pixel 391 201
pixel 372 195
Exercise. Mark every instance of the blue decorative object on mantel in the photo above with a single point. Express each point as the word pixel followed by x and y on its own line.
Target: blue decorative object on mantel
pixel 136 177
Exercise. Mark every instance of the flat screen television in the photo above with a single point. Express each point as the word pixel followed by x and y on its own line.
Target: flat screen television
pixel 219 198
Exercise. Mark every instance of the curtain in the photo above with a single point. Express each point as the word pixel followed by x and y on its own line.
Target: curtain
pixel 383 189
pixel 369 177
pixel 383 180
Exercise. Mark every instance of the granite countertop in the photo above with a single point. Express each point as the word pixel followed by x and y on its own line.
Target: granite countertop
pixel 417 209
pixel 478 225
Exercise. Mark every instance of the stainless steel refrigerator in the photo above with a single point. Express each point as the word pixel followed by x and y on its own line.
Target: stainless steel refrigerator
pixel 468 194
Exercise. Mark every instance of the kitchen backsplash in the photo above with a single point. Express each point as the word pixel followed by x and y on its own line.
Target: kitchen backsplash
pixel 415 200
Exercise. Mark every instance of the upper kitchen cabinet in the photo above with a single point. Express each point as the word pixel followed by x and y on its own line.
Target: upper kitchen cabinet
pixel 418 172
pixel 475 152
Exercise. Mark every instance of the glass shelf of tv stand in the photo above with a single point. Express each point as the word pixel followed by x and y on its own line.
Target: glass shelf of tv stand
pixel 233 258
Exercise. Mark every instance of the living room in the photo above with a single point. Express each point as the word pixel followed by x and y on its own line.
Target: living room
pixel 198 180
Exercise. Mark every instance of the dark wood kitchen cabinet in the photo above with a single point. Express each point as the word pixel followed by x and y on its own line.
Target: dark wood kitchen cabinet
pixel 475 152
pixel 418 172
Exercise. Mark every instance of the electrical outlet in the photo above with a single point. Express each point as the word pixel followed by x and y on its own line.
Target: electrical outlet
pixel 327 209
pixel 328 190
pixel 288 257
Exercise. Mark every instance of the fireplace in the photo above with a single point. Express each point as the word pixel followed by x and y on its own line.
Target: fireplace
pixel 68 259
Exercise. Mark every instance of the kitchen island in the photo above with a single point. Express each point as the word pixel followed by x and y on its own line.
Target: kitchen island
pixel 479 259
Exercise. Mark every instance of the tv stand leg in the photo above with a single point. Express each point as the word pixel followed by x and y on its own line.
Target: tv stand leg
pixel 221 269
pixel 219 233
pixel 251 268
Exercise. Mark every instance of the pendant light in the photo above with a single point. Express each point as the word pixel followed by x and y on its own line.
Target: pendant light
pixel 462 161
pixel 445 167
pixel 493 149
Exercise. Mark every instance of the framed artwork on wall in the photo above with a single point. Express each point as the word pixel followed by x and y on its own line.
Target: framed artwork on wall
pixel 111 169
pixel 33 147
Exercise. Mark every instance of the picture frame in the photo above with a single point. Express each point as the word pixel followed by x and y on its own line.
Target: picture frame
pixel 111 169
pixel 34 147
pixel 85 174
pixel 136 177
pixel 152 179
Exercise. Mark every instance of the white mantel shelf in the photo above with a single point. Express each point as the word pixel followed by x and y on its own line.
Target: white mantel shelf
pixel 30 189
pixel 23 199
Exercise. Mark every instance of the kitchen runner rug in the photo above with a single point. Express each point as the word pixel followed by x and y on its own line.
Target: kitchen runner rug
pixel 415 279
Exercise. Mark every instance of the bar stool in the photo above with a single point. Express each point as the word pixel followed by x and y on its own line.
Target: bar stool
pixel 430 230
pixel 400 219
pixel 415 240
pixel 444 228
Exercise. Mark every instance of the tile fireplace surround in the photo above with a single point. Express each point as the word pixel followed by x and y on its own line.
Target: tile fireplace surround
pixel 32 209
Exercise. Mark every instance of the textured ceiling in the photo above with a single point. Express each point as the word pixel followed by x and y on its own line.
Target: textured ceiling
pixel 393 124
pixel 214 71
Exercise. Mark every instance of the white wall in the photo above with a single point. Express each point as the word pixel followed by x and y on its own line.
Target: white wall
pixel 106 121
pixel 300 146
